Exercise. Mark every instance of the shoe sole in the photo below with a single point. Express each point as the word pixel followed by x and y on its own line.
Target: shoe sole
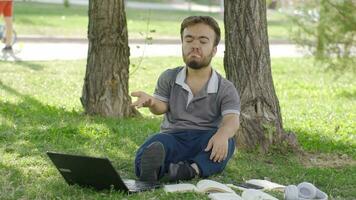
pixel 172 172
pixel 152 159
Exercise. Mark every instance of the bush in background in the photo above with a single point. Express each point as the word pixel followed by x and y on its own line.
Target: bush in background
pixel 327 28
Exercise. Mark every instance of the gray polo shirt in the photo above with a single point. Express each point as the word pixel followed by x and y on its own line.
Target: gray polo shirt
pixel 201 112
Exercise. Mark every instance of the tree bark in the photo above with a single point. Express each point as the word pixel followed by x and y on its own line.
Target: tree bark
pixel 247 64
pixel 105 90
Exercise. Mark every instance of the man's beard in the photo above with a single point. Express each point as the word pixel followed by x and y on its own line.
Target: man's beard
pixel 194 64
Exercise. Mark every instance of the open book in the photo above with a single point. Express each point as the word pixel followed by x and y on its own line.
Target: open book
pixel 224 196
pixel 267 185
pixel 249 194
pixel 204 186
pixel 259 185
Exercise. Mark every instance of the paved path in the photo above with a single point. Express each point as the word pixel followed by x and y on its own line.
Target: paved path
pixel 27 51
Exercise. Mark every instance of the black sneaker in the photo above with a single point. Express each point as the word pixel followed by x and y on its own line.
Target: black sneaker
pixel 151 162
pixel 7 49
pixel 181 171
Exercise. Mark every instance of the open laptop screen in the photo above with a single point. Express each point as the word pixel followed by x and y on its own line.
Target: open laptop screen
pixel 87 171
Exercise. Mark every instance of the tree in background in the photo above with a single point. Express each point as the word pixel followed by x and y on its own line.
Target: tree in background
pixel 66 3
pixel 272 4
pixel 328 29
pixel 105 90
pixel 247 64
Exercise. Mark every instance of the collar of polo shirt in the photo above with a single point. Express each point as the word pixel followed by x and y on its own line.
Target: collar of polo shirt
pixel 212 84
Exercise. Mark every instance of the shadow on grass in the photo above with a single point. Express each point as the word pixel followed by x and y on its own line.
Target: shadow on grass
pixel 31 120
pixel 347 94
pixel 13 56
pixel 26 21
pixel 9 188
pixel 33 128
pixel 30 65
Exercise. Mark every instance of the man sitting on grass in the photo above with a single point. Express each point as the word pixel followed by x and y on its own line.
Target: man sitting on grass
pixel 201 112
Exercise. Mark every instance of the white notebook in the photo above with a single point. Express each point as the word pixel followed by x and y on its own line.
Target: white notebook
pixel 204 186
pixel 224 196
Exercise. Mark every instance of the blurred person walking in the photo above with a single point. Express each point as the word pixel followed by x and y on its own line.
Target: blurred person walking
pixel 6 9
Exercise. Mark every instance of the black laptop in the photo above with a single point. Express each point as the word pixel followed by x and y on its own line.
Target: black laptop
pixel 95 172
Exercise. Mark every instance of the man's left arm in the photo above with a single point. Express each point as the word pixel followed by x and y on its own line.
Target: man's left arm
pixel 219 143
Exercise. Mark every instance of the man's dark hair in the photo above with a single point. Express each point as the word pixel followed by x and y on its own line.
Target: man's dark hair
pixel 192 20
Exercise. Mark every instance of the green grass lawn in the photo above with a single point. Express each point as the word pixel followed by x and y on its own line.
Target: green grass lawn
pixel 56 20
pixel 40 111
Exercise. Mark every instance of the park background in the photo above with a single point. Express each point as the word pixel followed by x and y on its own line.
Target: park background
pixel 40 108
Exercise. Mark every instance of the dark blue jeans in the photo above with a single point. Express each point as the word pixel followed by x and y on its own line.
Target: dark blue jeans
pixel 189 146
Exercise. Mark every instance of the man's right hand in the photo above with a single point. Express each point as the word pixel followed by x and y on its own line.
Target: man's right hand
pixel 143 99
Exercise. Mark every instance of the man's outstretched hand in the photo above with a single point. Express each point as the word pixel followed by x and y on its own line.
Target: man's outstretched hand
pixel 143 99
pixel 156 106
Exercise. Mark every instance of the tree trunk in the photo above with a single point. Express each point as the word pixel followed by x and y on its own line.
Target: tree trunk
pixel 247 64
pixel 105 90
